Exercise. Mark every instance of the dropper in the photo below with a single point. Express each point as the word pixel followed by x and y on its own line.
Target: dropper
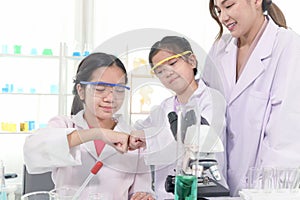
pixel 94 171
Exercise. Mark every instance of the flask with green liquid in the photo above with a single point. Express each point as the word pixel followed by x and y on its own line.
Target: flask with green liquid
pixel 185 183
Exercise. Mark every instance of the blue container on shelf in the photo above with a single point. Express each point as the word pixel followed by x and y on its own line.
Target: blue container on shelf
pixel 4 90
pixel 5 49
pixel 54 89
pixel 7 88
pixel 11 88
pixel 86 53
pixel 76 53
pixel 33 51
pixel 32 90
pixel 31 125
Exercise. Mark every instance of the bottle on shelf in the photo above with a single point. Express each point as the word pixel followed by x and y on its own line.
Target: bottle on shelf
pixel 76 49
pixel 86 49
pixel 3 195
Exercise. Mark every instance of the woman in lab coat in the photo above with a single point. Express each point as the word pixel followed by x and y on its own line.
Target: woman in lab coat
pixel 70 146
pixel 258 65
pixel 173 62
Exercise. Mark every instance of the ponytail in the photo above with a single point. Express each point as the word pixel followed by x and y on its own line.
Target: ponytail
pixel 77 105
pixel 275 13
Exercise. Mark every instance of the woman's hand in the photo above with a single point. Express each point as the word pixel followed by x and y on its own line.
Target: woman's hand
pixel 118 140
pixel 136 140
pixel 142 196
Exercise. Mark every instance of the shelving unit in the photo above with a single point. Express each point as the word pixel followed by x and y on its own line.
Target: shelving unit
pixel 35 88
pixel 48 84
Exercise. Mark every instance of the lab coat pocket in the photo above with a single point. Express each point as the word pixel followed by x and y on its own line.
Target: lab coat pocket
pixel 281 148
pixel 270 155
pixel 258 102
pixel 259 95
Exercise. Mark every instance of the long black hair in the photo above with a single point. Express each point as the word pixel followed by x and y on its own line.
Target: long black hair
pixel 85 70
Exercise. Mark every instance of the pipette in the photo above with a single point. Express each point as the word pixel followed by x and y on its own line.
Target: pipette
pixel 94 171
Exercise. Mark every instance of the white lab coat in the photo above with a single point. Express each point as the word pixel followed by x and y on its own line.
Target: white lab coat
pixel 263 118
pixel 161 145
pixel 121 175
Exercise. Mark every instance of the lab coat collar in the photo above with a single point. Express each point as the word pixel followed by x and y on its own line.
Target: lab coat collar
pixel 199 91
pixel 193 98
pixel 79 120
pixel 255 66
pixel 81 123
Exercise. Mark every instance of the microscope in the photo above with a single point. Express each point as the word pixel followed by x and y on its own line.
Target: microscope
pixel 198 154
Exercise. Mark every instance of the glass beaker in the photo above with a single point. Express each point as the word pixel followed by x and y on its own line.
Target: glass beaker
pixel 268 179
pixel 287 179
pixel 96 196
pixel 254 179
pixel 39 195
pixel 63 193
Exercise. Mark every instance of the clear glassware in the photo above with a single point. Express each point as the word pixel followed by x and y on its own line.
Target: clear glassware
pixel 254 179
pixel 96 196
pixel 39 195
pixel 268 179
pixel 287 179
pixel 63 193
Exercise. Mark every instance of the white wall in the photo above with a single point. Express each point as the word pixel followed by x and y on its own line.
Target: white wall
pixel 290 8
pixel 190 18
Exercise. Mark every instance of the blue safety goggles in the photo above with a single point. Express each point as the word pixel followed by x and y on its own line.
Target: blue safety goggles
pixel 105 84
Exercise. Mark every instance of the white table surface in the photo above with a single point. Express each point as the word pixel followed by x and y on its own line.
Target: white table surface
pixel 220 198
pixel 224 198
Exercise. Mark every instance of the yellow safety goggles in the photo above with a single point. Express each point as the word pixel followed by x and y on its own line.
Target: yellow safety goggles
pixel 169 58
